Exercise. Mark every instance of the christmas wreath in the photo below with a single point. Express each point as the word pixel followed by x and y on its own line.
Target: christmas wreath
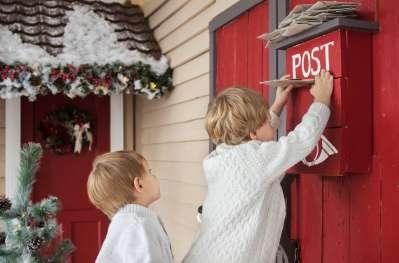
pixel 67 130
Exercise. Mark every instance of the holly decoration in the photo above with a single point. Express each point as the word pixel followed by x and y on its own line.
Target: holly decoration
pixel 24 80
pixel 67 130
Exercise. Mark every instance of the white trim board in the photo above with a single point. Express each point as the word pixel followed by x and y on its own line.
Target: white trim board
pixel 13 136
pixel 116 122
pixel 12 143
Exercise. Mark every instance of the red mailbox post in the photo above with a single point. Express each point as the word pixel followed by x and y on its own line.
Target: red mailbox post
pixel 346 144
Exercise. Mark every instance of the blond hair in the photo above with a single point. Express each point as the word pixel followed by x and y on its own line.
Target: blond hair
pixel 234 114
pixel 111 180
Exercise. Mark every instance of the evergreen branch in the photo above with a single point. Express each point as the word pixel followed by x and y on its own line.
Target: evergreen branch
pixel 64 249
pixel 29 227
pixel 8 255
pixel 31 154
pixel 9 214
pixel 49 231
pixel 46 207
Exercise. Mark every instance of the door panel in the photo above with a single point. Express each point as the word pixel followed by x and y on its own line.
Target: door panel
pixel 65 176
pixel 241 58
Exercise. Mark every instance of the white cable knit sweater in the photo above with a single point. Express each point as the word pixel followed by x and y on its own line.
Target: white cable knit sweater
pixel 135 235
pixel 243 213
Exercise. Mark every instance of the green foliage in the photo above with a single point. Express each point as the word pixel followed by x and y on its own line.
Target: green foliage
pixel 31 228
pixel 83 80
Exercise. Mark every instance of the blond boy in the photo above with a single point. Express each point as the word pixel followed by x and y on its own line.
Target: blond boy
pixel 244 211
pixel 122 187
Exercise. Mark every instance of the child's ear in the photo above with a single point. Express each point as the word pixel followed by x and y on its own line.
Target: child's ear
pixel 252 135
pixel 137 184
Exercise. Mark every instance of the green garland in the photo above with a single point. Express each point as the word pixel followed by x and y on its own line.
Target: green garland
pixel 23 80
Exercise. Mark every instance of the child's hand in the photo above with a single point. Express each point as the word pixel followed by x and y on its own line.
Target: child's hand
pixel 323 87
pixel 282 95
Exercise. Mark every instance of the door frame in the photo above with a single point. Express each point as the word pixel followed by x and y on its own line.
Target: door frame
pixel 13 136
pixel 278 10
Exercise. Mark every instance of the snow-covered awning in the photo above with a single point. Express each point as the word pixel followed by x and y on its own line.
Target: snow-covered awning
pixel 78 47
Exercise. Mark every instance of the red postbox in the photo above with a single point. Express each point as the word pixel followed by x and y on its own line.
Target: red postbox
pixel 346 143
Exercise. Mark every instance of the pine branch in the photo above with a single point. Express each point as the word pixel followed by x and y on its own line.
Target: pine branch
pixel 8 255
pixel 29 227
pixel 8 215
pixel 64 249
pixel 46 207
pixel 31 154
pixel 49 230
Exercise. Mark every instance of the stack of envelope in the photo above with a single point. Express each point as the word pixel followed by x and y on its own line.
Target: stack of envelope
pixel 305 16
pixel 285 82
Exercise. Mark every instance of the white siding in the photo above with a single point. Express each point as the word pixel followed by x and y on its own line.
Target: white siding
pixel 170 132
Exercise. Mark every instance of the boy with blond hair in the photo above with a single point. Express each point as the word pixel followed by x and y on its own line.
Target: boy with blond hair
pixel 122 187
pixel 244 211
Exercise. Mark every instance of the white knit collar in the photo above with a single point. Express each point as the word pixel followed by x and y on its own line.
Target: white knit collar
pixel 225 147
pixel 137 210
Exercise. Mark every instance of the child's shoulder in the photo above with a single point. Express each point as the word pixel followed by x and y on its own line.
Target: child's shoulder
pixel 133 222
pixel 255 144
pixel 134 215
pixel 245 149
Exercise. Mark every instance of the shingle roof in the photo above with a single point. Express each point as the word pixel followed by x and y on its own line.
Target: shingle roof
pixel 42 23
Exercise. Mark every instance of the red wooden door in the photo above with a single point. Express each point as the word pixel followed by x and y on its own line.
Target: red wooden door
pixel 241 58
pixel 65 176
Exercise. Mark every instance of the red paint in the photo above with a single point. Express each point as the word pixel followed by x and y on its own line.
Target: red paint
pixel 347 54
pixel 358 214
pixel 386 126
pixel 241 59
pixel 232 50
pixel 324 52
pixel 365 221
pixel 336 228
pixel 301 99
pixel 65 176
pixel 258 56
pixel 310 205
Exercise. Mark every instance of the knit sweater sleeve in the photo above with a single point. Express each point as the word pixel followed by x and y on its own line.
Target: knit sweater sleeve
pixel 280 155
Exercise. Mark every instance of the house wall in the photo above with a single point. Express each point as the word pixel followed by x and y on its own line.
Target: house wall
pixel 170 132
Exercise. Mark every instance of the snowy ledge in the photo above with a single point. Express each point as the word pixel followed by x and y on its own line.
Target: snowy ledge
pixel 91 49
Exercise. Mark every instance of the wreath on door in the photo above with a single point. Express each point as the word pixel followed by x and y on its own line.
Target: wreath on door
pixel 67 130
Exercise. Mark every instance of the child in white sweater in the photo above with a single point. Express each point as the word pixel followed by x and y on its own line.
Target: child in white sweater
pixel 122 187
pixel 244 211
